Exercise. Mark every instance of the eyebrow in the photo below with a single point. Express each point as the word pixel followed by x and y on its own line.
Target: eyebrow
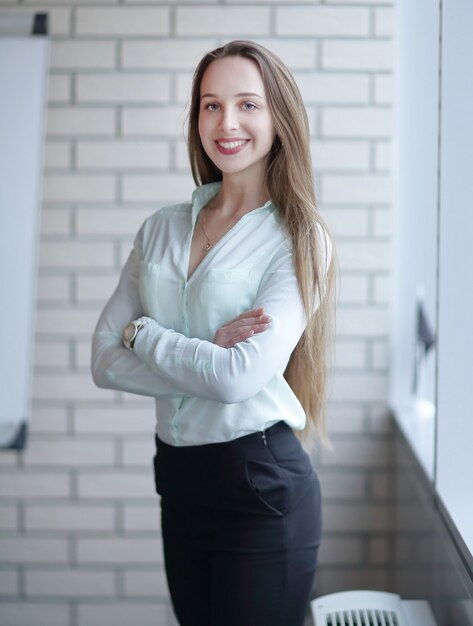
pixel 238 95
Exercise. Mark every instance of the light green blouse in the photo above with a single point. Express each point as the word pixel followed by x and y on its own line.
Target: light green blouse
pixel 205 393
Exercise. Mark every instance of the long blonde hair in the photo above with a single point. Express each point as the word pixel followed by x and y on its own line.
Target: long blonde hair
pixel 289 179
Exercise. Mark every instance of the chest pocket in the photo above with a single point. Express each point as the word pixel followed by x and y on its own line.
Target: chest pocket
pixel 159 295
pixel 225 293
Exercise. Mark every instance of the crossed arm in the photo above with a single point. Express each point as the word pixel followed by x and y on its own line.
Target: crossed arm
pixel 245 355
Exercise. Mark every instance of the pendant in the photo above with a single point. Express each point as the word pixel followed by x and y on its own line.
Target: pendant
pixel 207 246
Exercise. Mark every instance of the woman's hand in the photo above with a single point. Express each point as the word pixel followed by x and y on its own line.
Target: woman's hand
pixel 241 328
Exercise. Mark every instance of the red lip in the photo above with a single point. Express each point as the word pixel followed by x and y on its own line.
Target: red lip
pixel 234 150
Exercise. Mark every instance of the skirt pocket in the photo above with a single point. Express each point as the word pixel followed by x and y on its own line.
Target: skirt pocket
pixel 269 486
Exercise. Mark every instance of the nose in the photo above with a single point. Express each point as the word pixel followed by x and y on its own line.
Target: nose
pixel 229 120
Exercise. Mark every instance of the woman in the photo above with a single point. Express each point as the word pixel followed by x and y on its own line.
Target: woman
pixel 231 299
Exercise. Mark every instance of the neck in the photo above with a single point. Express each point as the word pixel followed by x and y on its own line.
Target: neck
pixel 237 196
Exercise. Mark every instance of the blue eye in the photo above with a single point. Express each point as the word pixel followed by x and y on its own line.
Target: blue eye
pixel 211 106
pixel 249 106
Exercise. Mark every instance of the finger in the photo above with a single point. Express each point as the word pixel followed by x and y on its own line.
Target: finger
pixel 241 335
pixel 251 313
pixel 248 321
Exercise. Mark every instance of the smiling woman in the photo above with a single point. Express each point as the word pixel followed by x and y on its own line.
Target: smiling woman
pixel 231 301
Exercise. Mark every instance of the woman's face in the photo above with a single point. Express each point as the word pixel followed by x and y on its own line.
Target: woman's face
pixel 235 125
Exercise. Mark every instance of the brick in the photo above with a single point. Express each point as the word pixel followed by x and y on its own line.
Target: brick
pixel 69 322
pixel 383 155
pixel 340 578
pixel 153 21
pixel 117 484
pixel 357 517
pixel 382 289
pixel 95 288
pixel 78 188
pixel 138 453
pixel 357 55
pixel 57 155
pixel 8 519
pixel 115 420
pixel 76 255
pixel 161 188
pixel 79 121
pixel 367 2
pixel 350 354
pixel 169 54
pixel 58 17
pixel 340 155
pixel 354 288
pixel 360 387
pixel 385 22
pixel 25 613
pixel 231 21
pixel 129 155
pixel 384 89
pixel 362 321
pixel 123 88
pixel 22 549
pixel 141 518
pixel 380 420
pixel 381 486
pixel 9 583
pixel 59 88
pixel 333 88
pixel 182 158
pixel 68 453
pixel 296 54
pixel 341 485
pixel 322 21
pixel 123 614
pixel 123 221
pixel 82 55
pixel 70 583
pixel 348 223
pixel 48 420
pixel 346 419
pixel 23 484
pixel 183 87
pixel 358 189
pixel 53 289
pixel 380 355
pixel 49 354
pixel 142 584
pixel 359 453
pixel 166 121
pixel 365 255
pixel 55 221
pixel 69 517
pixel 341 550
pixel 68 387
pixel 120 551
pixel 357 122
pixel 83 354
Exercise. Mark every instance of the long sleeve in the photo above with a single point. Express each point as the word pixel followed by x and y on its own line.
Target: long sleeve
pixel 113 366
pixel 202 369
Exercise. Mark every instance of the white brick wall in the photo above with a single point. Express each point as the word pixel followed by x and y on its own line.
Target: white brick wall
pixel 79 521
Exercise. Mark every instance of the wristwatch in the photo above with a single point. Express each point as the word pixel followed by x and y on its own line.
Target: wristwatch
pixel 131 331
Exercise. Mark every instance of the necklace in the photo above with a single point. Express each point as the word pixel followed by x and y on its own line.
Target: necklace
pixel 210 242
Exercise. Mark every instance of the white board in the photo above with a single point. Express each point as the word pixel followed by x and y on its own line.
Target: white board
pixel 23 76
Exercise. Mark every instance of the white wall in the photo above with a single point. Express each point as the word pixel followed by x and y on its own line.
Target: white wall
pixel 79 543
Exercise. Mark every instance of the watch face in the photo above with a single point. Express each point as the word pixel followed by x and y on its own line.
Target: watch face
pixel 129 332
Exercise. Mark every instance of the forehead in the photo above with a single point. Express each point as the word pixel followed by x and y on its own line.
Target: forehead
pixel 232 75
